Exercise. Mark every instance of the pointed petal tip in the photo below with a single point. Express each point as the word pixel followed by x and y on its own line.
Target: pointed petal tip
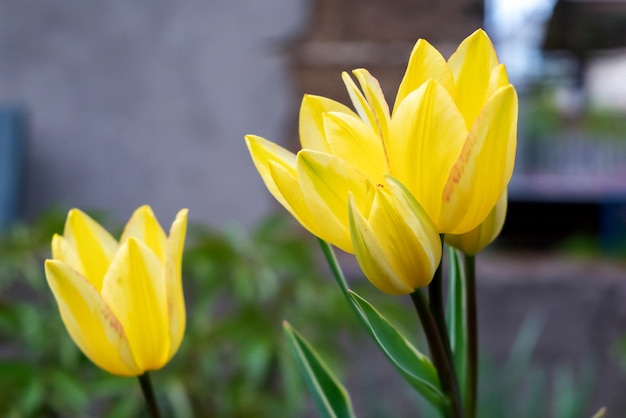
pixel 252 139
pixel 56 242
pixel 180 221
pixel 480 33
pixel 55 269
pixel 358 71
pixel 144 211
pixel 183 213
pixel 50 264
pixel 256 142
pixel 134 247
pixel 145 208
pixel 75 214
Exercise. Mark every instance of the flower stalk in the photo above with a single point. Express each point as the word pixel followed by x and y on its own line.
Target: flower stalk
pixel 472 335
pixel 148 394
pixel 438 351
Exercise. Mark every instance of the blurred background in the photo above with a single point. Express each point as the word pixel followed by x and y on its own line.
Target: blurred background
pixel 109 105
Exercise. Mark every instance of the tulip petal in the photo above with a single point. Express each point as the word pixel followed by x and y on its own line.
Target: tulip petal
pixel 425 63
pixel 397 247
pixel 418 221
pixel 134 288
pixel 93 244
pixel 326 182
pixel 144 226
pixel 499 78
pixel 173 281
pixel 311 125
pixel 63 251
pixel 372 257
pixel 359 101
pixel 472 64
pixel 263 152
pixel 90 322
pixel 277 168
pixel 352 140
pixel 484 168
pixel 427 135
pixel 477 239
pixel 376 99
pixel 289 186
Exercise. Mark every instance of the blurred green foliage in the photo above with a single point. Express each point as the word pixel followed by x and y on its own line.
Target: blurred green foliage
pixel 233 362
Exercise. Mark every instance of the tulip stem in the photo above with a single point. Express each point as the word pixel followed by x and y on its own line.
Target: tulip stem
pixel 472 335
pixel 435 304
pixel 443 364
pixel 148 394
pixel 335 268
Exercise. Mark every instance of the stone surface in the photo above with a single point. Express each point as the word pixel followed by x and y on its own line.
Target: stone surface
pixel 148 102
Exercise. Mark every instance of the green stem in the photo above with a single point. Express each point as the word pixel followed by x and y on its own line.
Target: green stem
pixel 472 335
pixel 335 268
pixel 436 306
pixel 442 357
pixel 148 394
pixel 443 364
pixel 435 303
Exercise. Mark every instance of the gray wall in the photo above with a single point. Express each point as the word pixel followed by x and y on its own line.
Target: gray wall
pixel 148 101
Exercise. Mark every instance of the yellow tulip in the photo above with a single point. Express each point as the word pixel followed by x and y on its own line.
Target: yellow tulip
pixel 396 244
pixel 121 302
pixel 450 140
pixel 453 132
pixel 476 240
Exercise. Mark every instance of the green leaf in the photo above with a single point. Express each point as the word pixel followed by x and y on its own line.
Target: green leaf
pixel 31 398
pixel 414 366
pixel 68 389
pixel 335 268
pixel 330 396
pixel 457 327
pixel 178 397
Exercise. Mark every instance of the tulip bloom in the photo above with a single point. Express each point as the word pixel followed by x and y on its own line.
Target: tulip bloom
pixel 451 140
pixel 121 302
pixel 476 240
pixel 395 243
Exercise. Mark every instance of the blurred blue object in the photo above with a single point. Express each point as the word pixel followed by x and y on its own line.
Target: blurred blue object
pixel 12 155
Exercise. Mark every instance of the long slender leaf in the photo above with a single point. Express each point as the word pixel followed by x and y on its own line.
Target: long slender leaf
pixel 457 328
pixel 414 366
pixel 331 398
pixel 335 267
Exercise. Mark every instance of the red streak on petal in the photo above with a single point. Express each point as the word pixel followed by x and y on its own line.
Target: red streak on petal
pixel 115 324
pixel 459 167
